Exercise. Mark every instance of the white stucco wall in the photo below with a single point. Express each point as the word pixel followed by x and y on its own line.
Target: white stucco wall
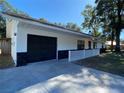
pixel 18 31
pixel 9 28
pixel 11 31
pixel 65 41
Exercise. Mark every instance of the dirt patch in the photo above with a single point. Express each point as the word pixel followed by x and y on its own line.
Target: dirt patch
pixel 6 62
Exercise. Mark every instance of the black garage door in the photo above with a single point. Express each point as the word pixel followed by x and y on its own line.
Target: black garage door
pixel 41 48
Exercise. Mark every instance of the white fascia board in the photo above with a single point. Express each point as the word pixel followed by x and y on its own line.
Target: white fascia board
pixel 47 26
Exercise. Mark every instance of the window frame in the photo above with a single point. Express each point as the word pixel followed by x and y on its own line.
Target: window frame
pixel 80 44
pixel 94 45
pixel 89 45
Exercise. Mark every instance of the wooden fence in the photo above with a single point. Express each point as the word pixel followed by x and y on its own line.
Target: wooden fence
pixel 5 46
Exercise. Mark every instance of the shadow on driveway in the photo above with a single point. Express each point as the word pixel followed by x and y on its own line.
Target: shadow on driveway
pixel 58 77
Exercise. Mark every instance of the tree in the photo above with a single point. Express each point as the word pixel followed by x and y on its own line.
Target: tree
pixel 60 24
pixel 6 7
pixel 91 22
pixel 112 10
pixel 2 27
pixel 108 32
pixel 3 4
pixel 43 20
pixel 73 26
pixel 70 26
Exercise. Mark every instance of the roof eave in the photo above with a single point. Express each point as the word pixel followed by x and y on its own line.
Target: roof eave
pixel 47 26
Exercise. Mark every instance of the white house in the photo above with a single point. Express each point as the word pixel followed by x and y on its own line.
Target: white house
pixel 33 41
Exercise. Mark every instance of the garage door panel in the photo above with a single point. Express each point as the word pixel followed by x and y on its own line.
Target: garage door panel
pixel 41 48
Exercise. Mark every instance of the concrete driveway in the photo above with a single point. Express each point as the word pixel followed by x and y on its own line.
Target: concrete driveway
pixel 58 77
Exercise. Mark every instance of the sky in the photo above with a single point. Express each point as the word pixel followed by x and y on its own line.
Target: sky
pixel 53 10
pixel 62 11
pixel 122 34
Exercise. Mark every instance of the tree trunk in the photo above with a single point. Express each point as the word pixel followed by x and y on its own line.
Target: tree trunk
pixel 112 46
pixel 112 39
pixel 118 28
pixel 117 48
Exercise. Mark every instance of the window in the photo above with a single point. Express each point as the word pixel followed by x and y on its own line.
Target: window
pixel 94 45
pixel 89 44
pixel 80 44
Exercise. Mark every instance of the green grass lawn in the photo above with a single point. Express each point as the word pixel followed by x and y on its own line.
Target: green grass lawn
pixel 6 62
pixel 109 62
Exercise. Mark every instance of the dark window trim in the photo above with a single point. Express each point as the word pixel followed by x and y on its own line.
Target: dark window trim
pixel 80 44
pixel 89 45
pixel 94 45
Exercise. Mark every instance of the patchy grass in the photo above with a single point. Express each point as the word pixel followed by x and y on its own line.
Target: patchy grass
pixel 6 62
pixel 109 62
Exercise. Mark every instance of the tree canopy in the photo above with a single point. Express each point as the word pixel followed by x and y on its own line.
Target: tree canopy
pixel 91 22
pixel 73 26
pixel 2 27
pixel 6 7
pixel 111 13
pixel 70 25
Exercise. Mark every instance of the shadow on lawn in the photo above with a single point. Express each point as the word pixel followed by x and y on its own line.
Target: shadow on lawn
pixel 109 62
